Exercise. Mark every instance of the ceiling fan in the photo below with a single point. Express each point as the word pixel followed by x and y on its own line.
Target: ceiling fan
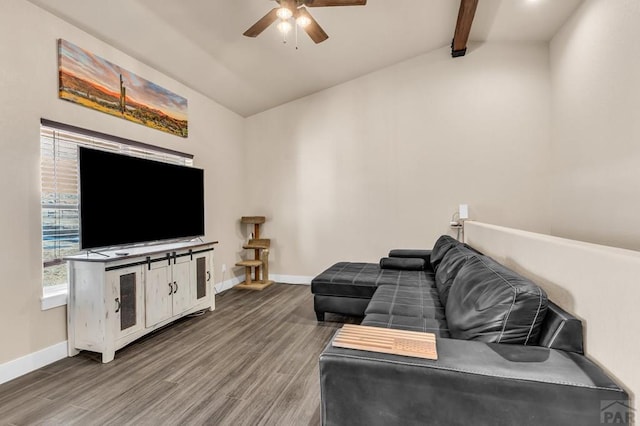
pixel 296 9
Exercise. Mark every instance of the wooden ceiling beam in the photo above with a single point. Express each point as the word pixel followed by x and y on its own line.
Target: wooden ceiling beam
pixel 463 27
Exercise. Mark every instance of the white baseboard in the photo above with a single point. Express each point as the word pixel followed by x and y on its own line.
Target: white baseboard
pixel 28 363
pixel 285 279
pixel 227 284
pixel 291 279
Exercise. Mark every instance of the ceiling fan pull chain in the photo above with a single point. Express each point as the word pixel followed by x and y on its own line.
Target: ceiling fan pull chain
pixel 296 25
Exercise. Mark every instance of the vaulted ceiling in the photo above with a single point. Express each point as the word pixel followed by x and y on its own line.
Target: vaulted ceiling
pixel 200 42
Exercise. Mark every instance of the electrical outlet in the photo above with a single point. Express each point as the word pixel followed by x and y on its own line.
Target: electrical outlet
pixel 224 268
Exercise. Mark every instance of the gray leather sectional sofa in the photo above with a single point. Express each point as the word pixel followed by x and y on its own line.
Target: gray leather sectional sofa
pixel 507 355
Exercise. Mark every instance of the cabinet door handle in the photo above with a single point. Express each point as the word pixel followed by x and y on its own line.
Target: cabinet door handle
pixel 117 305
pixel 176 290
pixel 208 276
pixel 170 289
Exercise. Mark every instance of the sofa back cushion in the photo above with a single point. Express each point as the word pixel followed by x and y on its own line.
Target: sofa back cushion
pixel 449 267
pixel 491 303
pixel 440 248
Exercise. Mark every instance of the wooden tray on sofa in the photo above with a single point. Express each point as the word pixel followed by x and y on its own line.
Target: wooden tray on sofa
pixel 387 340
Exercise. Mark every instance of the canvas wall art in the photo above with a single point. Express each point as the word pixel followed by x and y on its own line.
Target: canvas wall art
pixel 94 82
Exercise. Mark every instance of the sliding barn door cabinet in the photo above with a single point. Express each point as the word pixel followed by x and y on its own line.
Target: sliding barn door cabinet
pixel 116 297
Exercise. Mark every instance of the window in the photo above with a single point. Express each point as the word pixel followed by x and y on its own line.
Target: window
pixel 59 173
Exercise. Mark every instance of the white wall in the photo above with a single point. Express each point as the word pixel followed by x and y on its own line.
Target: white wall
pixel 28 84
pixel 595 69
pixel 593 282
pixel 384 160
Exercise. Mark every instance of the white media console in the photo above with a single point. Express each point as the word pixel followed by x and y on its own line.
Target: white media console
pixel 116 297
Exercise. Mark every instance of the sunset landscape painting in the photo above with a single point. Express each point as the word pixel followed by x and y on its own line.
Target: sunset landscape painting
pixel 91 81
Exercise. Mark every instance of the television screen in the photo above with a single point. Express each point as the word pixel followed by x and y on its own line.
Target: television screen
pixel 127 200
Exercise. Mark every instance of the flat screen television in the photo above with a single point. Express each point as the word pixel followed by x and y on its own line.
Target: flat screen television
pixel 127 200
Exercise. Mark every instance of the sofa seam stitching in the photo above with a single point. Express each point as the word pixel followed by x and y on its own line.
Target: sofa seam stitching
pixel 536 317
pixel 337 272
pixel 357 275
pixel 553 338
pixel 395 293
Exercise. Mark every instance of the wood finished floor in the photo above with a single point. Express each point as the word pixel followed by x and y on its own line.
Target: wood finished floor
pixel 253 361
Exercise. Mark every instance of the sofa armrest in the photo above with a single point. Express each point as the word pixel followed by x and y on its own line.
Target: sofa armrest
pixel 471 383
pixel 412 253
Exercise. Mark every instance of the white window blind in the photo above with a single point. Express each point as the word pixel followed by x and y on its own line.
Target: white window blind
pixel 60 187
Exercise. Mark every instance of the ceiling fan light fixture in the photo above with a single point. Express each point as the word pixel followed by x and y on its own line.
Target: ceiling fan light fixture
pixel 303 21
pixel 292 14
pixel 284 27
pixel 284 13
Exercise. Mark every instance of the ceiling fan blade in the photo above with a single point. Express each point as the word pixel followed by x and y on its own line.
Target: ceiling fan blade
pixel 262 24
pixel 325 3
pixel 313 29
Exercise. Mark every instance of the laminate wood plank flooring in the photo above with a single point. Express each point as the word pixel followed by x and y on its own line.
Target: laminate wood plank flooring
pixel 253 361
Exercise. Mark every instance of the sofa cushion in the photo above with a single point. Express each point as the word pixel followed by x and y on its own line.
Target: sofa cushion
pixel 350 279
pixel 406 264
pixel 451 263
pixel 491 303
pixel 401 278
pixel 406 301
pixel 355 279
pixel 440 248
pixel 427 325
pixel 412 253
